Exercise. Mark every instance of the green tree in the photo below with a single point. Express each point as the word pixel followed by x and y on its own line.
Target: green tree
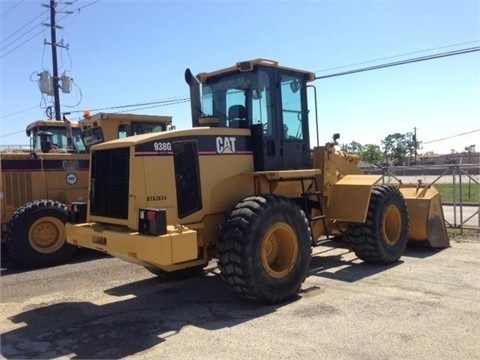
pixel 395 148
pixel 401 149
pixel 413 145
pixel 353 148
pixel 470 148
pixel 372 153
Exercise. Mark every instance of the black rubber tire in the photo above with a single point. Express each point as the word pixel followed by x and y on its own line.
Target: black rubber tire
pixel 383 237
pixel 177 275
pixel 19 245
pixel 242 249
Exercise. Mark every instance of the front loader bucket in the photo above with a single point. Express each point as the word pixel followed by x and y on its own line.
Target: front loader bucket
pixel 427 224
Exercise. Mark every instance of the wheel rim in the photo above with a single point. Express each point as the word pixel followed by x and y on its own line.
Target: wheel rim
pixel 47 234
pixel 279 250
pixel 392 225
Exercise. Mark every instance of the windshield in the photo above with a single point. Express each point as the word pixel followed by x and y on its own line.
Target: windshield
pixel 77 140
pixel 237 100
pixel 60 139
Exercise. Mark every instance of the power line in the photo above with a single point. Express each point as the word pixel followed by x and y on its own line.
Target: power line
pixel 87 5
pixel 23 43
pixel 13 7
pixel 24 26
pixel 400 55
pixel 135 107
pixel 402 62
pixel 21 36
pixel 18 112
pixel 43 30
pixel 450 137
pixel 14 133
pixel 157 103
pixel 180 101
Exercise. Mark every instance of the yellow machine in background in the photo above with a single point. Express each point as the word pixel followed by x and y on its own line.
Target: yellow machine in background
pixel 242 185
pixel 36 184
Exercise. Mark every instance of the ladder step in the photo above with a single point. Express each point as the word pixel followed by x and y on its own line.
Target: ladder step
pixel 310 193
pixel 317 206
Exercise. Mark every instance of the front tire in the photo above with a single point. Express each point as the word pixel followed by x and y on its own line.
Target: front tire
pixel 383 237
pixel 264 249
pixel 36 235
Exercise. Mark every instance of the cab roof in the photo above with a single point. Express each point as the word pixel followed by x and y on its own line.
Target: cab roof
pixel 248 65
pixel 128 117
pixel 49 123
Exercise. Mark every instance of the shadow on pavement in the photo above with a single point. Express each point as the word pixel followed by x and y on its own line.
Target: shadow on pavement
pixel 152 311
pixel 9 266
pixel 146 313
pixel 422 251
pixel 336 261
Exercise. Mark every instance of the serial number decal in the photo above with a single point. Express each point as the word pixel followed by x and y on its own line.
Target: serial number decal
pixel 162 146
pixel 156 197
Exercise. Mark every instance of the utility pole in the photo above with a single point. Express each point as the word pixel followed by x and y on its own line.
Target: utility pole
pixel 53 43
pixel 415 144
pixel 53 36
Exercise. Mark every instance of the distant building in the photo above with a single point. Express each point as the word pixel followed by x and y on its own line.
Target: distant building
pixel 455 158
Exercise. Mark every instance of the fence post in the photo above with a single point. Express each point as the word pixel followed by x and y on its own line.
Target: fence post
pixel 454 197
pixel 461 199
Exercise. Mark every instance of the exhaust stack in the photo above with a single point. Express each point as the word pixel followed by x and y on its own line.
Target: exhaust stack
pixel 195 103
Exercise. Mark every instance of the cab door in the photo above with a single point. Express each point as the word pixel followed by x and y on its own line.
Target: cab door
pixel 280 137
pixel 293 111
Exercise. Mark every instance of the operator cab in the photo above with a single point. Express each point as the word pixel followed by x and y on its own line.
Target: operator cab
pixel 270 100
pixel 102 127
pixel 46 135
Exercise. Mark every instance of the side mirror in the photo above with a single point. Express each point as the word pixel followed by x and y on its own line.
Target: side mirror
pixel 295 86
pixel 256 94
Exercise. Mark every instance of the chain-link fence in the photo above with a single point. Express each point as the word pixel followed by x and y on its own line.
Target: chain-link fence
pixel 14 147
pixel 458 185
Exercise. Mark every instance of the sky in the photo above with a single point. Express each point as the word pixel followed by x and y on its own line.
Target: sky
pixel 135 52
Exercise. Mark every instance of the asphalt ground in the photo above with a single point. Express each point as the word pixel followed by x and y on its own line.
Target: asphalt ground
pixel 427 306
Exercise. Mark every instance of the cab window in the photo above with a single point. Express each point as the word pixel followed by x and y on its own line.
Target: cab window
pixel 237 100
pixel 146 128
pixel 77 140
pixel 292 107
pixel 123 131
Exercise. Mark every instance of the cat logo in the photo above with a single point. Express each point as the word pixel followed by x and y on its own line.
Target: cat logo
pixel 226 145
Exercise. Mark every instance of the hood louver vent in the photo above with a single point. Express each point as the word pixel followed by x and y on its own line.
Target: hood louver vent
pixel 110 180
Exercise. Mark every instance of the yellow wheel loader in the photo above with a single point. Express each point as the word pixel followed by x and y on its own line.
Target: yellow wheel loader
pixel 36 184
pixel 243 186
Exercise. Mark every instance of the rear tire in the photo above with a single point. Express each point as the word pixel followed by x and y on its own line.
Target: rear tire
pixel 383 237
pixel 264 249
pixel 36 235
